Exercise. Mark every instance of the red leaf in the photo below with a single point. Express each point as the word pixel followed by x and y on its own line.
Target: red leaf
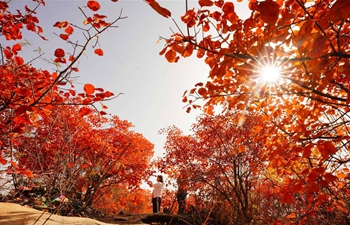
pixel 72 92
pixel 99 52
pixel 253 4
pixel 287 198
pixel 93 5
pixel 340 11
pixel 75 69
pixel 228 8
pixel 108 94
pixel 84 111
pixel 62 24
pixel 69 30
pixel 269 11
pixel 307 151
pixel 319 47
pixel 162 11
pixel 2 160
pixel 18 60
pixel 71 58
pixel 205 3
pixel 60 60
pixel 8 54
pixel 64 36
pixel 89 89
pixel 326 148
pixel 330 177
pixel 17 47
pixel 99 89
pixel 59 53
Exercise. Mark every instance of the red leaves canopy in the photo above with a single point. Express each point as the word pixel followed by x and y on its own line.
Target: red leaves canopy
pixel 310 102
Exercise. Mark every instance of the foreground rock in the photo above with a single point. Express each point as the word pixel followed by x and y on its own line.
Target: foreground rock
pixel 14 214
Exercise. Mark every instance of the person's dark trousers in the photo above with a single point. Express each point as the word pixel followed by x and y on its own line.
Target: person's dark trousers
pixel 156 204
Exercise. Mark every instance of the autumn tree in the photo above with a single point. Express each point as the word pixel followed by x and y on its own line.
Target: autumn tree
pixel 28 91
pixel 223 162
pixel 82 157
pixel 52 135
pixel 307 43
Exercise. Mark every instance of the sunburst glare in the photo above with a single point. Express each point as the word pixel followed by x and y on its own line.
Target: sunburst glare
pixel 270 73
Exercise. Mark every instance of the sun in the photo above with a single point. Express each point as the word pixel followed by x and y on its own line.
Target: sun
pixel 270 73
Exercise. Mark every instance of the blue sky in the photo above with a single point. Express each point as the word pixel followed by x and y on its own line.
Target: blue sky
pixel 131 63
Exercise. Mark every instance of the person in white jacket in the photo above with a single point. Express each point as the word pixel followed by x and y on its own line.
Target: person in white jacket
pixel 157 194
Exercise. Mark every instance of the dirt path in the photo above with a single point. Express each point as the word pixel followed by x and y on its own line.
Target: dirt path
pixel 14 214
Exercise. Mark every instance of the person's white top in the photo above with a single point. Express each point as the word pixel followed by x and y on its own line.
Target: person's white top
pixel 157 189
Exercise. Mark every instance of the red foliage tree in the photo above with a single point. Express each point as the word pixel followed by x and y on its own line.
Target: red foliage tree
pixel 223 164
pixel 308 43
pixel 83 158
pixel 30 92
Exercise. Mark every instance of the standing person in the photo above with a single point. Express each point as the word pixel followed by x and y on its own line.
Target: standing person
pixel 157 194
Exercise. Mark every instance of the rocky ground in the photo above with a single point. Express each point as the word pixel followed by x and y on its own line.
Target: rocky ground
pixel 14 214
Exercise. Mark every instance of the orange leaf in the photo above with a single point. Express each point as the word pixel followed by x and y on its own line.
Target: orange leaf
pixel 59 53
pixel 64 36
pixel 326 148
pixel 162 11
pixel 89 89
pixel 202 91
pixel 28 174
pixel 339 11
pixel 241 148
pixel 171 56
pixel 319 47
pixel 209 110
pixel 99 52
pixel 291 216
pixel 69 30
pixel 93 5
pixel 253 4
pixel 205 3
pixel 307 151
